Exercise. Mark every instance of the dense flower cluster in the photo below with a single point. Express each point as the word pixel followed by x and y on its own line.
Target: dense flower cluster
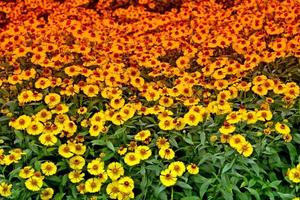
pixel 79 77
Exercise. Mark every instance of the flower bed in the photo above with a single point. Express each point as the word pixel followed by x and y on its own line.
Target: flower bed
pixel 149 99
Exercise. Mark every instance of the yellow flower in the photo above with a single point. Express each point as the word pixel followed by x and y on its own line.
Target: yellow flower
pixel 122 150
pixel 177 168
pixel 43 115
pixel 35 128
pixel 166 101
pixel 21 123
pixel 282 128
pixel 60 108
pixel 142 135
pixel 144 152
pixel 82 110
pixel 166 124
pixel 132 159
pixel 162 143
pixel 47 193
pixel 264 115
pixel 91 90
pixel 102 176
pixel 167 178
pixel 117 103
pixel 245 148
pixel 233 118
pixel 75 176
pixel 48 139
pixel 192 168
pixel 112 190
pixel 126 184
pixel 93 185
pixel 52 99
pixel 65 151
pixel 34 184
pixel 95 167
pixel 5 189
pixel 77 162
pixel 12 158
pixel 26 172
pixel 96 129
pixel 294 175
pixel 236 140
pixel 25 96
pixel 250 117
pixel 81 188
pixel 166 153
pixel 115 170
pixel 78 149
pixel 227 128
pixel 70 127
pixel 192 118
pixel 42 83
pixel 48 168
pixel 260 90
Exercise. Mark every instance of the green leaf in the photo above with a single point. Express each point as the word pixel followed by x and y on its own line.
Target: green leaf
pixel 110 146
pixel 228 166
pixel 286 196
pixel 293 152
pixel 190 198
pixel 274 184
pixel 158 189
pixel 227 195
pixel 173 142
pixel 205 186
pixel 4 118
pixel 254 193
pixel 98 142
pixel 184 185
pixel 163 195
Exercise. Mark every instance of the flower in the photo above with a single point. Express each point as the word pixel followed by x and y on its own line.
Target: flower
pixel 65 151
pixel 115 170
pixel 142 135
pixel 144 152
pixel 46 193
pixel 112 190
pixel 227 128
pixel 162 142
pixel 245 148
pixel 95 167
pixel 167 178
pixel 77 162
pixel 282 128
pixel 236 140
pixel 166 153
pixel 126 184
pixel 34 184
pixel 192 168
pixel 91 90
pixel 177 168
pixel 48 168
pixel 294 175
pixel 76 176
pixel 35 128
pixel 26 172
pixel 52 99
pixel 132 159
pixel 48 139
pixel 92 185
pixel 21 123
pixel 5 189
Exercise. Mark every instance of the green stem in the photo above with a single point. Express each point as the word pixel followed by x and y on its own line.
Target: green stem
pixel 172 193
